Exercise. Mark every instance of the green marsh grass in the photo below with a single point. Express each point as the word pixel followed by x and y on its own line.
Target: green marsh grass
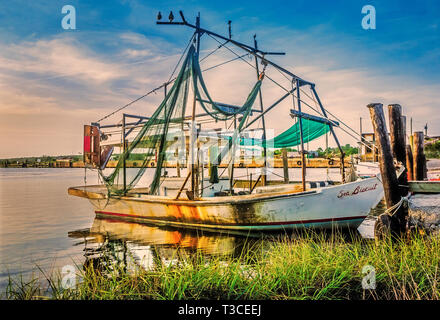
pixel 309 266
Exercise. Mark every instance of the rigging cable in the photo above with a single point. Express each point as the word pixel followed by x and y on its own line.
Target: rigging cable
pixel 152 91
pixel 181 56
pixel 320 113
pixel 317 111
pixel 171 80
pixel 221 45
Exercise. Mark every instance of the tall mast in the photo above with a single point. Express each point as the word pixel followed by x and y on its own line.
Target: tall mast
pixel 231 163
pixel 193 137
pixel 263 176
pixel 124 150
pixel 303 158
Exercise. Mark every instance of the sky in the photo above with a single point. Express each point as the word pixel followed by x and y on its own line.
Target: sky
pixel 53 81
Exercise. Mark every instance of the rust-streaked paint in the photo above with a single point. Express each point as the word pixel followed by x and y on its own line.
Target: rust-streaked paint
pixel 272 209
pixel 174 210
pixel 242 224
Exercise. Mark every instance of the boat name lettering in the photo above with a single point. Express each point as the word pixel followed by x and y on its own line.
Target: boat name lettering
pixel 358 189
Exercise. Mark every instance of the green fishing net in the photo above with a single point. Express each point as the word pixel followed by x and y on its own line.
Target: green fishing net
pixel 160 130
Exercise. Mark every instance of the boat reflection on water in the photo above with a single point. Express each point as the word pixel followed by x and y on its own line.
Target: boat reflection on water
pixel 134 245
pixel 146 246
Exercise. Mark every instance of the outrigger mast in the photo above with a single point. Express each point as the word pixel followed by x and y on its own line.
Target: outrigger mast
pixel 260 54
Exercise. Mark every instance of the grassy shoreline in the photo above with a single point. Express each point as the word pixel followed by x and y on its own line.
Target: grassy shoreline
pixel 308 267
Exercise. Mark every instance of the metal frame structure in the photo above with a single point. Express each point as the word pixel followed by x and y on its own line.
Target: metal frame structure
pixel 260 57
pixel 259 54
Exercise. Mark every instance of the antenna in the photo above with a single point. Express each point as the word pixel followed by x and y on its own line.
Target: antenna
pixel 229 29
pixel 181 15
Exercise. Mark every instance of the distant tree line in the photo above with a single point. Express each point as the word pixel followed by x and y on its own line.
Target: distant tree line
pixel 432 150
pixel 31 161
pixel 329 152
pixel 279 151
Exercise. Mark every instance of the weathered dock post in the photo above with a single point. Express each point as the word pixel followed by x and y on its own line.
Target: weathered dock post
pixel 285 166
pixel 403 118
pixel 388 173
pixel 419 159
pixel 389 177
pixel 409 162
pixel 397 137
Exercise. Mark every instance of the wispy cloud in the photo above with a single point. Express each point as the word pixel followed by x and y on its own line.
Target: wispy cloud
pixel 51 85
pixel 57 57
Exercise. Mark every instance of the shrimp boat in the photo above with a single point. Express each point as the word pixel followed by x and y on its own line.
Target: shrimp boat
pixel 182 135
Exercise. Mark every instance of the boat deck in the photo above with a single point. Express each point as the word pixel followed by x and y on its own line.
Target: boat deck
pixel 98 192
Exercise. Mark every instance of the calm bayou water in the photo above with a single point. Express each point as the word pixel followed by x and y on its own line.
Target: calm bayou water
pixel 41 225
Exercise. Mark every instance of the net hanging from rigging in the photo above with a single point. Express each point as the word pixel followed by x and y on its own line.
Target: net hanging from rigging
pixel 155 136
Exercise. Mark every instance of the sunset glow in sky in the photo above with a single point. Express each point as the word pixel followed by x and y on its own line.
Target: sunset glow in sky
pixel 52 81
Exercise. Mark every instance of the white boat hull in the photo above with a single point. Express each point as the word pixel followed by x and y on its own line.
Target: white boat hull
pixel 344 205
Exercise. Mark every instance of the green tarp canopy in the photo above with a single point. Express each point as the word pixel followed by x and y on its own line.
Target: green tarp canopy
pixel 291 137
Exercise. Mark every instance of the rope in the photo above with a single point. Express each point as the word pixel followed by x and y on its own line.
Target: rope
pixel 391 211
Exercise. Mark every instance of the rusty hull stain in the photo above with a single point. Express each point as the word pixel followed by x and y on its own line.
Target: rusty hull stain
pixel 185 213
pixel 247 213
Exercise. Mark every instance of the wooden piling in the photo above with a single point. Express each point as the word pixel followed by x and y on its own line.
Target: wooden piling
pixel 397 137
pixel 389 178
pixel 392 192
pixel 409 162
pixel 285 166
pixel 403 118
pixel 419 166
